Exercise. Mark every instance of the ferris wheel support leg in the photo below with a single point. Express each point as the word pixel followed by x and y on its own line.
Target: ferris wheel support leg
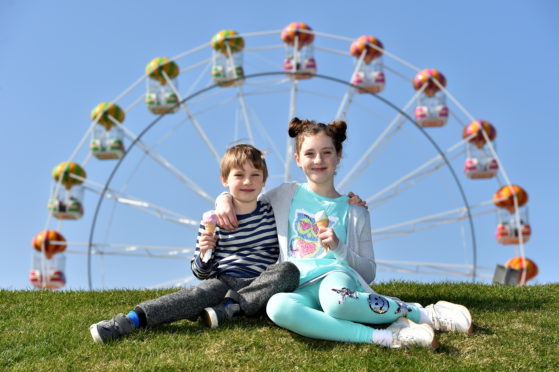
pixel 193 120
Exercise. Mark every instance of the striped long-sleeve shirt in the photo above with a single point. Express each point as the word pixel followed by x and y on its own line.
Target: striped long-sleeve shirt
pixel 244 252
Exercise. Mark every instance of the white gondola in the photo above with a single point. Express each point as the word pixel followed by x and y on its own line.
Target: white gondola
pixel 301 61
pixel 67 204
pixel 54 269
pixel 107 144
pixel 369 77
pixel 508 231
pixel 480 163
pixel 431 111
pixel 227 71
pixel 160 98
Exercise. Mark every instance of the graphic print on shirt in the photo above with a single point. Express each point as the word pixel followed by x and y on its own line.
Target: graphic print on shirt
pixel 305 243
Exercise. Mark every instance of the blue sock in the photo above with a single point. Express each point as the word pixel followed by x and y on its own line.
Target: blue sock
pixel 228 302
pixel 134 318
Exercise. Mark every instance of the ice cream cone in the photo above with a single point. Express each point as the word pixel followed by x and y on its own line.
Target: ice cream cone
pixel 209 219
pixel 322 221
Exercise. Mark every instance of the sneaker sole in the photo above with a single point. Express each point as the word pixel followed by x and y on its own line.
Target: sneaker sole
pixel 210 318
pixel 95 333
pixel 464 311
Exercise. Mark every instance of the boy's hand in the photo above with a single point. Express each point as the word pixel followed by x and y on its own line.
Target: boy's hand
pixel 207 240
pixel 225 210
pixel 328 237
pixel 355 199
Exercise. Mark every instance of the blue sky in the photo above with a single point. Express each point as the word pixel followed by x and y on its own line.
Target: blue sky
pixel 61 58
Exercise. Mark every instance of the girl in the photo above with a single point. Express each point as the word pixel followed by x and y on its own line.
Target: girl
pixel 336 262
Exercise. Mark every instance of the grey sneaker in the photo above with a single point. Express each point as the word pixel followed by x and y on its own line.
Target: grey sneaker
pixel 214 316
pixel 406 333
pixel 446 316
pixel 108 330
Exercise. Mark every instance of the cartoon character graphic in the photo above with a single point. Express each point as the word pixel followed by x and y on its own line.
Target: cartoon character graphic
pixel 305 243
pixel 344 293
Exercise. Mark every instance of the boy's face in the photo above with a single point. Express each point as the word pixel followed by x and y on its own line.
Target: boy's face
pixel 245 184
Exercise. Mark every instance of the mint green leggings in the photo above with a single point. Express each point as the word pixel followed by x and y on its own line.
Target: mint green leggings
pixel 329 308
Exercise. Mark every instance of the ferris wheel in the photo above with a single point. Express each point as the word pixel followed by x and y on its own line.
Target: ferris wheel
pixel 130 196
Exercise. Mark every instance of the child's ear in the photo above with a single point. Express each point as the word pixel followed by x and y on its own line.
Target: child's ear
pixel 297 160
pixel 224 182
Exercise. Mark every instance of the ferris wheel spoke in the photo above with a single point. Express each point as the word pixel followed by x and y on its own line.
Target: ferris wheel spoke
pixel 383 139
pixel 457 118
pixel 333 51
pixel 415 176
pixel 190 51
pixel 132 250
pixel 350 92
pixel 264 133
pixel 244 111
pixel 205 62
pixel 291 115
pixel 140 204
pixel 203 73
pixel 193 120
pixel 271 64
pixel 428 222
pixel 398 73
pixel 167 165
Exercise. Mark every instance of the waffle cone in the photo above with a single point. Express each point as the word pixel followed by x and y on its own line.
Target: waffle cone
pixel 210 227
pixel 322 223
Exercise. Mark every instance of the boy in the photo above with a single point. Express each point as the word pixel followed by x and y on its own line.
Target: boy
pixel 240 276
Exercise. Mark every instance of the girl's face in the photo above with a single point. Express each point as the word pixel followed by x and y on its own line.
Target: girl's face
pixel 318 158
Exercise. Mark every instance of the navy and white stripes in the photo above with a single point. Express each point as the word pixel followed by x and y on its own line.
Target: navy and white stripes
pixel 245 252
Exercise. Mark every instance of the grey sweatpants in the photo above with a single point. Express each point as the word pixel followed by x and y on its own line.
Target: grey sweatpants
pixel 254 293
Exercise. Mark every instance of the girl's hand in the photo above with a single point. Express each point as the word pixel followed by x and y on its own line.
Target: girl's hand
pixel 328 237
pixel 225 210
pixel 355 199
pixel 207 240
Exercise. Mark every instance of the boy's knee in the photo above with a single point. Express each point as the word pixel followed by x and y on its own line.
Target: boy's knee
pixel 290 275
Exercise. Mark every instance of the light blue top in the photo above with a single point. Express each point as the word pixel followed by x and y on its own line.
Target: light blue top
pixel 303 231
pixel 356 254
pixel 304 248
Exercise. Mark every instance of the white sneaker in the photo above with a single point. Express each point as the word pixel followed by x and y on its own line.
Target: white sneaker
pixel 406 333
pixel 446 316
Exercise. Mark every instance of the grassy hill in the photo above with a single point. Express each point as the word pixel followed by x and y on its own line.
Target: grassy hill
pixel 516 328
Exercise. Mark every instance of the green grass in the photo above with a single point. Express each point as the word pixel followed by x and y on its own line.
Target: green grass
pixel 516 328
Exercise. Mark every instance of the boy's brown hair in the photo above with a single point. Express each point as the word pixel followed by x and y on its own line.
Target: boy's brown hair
pixel 236 156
